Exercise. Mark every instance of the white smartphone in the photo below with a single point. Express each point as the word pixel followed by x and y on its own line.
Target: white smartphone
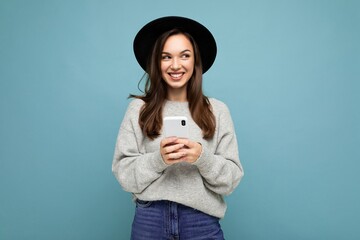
pixel 176 126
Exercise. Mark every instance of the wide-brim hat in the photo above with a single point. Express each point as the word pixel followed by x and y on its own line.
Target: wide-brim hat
pixel 145 39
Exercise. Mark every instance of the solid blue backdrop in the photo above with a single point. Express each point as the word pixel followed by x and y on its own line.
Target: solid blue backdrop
pixel 288 70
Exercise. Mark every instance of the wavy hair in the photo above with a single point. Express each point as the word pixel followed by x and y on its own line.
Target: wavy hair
pixel 154 97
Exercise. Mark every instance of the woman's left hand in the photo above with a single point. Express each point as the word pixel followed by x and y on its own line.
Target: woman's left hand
pixel 191 150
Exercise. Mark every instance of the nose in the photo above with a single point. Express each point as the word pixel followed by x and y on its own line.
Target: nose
pixel 175 64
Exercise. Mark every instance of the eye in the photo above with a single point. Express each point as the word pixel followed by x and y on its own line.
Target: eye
pixel 186 55
pixel 165 57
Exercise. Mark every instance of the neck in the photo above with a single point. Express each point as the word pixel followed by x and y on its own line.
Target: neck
pixel 177 95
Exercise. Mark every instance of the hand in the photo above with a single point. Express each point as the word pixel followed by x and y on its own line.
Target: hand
pixel 191 150
pixel 170 150
pixel 174 150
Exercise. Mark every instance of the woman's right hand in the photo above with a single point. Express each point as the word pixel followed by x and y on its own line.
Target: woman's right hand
pixel 170 150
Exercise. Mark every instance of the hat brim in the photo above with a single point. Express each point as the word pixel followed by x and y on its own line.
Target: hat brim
pixel 145 39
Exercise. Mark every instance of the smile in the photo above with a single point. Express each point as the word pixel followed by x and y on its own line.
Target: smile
pixel 176 75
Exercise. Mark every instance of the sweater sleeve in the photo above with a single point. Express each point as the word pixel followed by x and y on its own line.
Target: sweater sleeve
pixel 133 168
pixel 222 170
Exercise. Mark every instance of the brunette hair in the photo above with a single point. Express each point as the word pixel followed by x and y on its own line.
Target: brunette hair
pixel 150 117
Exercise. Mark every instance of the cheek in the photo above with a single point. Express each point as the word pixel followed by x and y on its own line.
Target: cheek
pixel 190 67
pixel 163 71
pixel 164 67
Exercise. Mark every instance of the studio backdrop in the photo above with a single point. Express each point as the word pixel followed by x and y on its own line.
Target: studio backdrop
pixel 288 70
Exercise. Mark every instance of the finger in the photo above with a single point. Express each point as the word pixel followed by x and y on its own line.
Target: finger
pixel 173 161
pixel 190 155
pixel 184 141
pixel 176 155
pixel 173 148
pixel 167 141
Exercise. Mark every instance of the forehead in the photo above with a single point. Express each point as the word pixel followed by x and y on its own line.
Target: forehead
pixel 177 43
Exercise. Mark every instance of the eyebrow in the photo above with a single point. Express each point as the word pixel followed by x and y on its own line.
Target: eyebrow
pixel 186 50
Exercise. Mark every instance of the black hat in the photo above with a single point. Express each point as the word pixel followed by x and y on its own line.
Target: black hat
pixel 145 39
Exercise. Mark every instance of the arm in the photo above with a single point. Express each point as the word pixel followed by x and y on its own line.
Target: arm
pixel 222 170
pixel 133 168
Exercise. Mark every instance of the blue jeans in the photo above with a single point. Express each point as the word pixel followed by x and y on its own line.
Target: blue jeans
pixel 163 220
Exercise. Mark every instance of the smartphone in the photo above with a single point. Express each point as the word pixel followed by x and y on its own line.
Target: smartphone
pixel 176 126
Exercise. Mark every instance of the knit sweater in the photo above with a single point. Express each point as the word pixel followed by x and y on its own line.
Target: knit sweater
pixel 140 169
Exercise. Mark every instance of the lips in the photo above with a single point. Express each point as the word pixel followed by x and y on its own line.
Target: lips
pixel 176 76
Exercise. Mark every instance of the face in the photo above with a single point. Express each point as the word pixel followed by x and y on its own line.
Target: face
pixel 177 62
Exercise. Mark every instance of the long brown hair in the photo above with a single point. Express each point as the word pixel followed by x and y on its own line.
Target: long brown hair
pixel 150 118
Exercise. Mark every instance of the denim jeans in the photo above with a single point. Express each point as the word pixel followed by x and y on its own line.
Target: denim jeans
pixel 160 220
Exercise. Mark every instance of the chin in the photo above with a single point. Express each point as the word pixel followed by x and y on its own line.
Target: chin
pixel 176 84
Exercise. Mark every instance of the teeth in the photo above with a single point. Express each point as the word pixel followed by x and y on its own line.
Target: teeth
pixel 177 75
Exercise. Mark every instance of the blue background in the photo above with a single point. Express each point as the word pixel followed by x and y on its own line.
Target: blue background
pixel 288 70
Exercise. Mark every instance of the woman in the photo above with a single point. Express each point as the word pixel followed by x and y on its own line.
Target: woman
pixel 178 184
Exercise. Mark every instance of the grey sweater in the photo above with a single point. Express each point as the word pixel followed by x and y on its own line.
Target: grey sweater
pixel 140 169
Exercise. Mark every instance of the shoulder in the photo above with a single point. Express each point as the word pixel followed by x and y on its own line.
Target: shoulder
pixel 222 115
pixel 136 103
pixel 133 108
pixel 218 106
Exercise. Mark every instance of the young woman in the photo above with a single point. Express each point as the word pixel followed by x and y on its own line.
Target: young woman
pixel 178 184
